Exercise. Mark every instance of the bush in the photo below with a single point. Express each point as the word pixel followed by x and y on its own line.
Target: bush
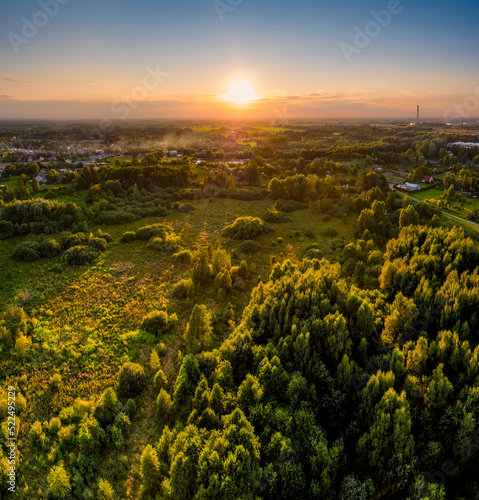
pixel 155 323
pixel 280 240
pixel 239 283
pixel 276 217
pixel 57 268
pixel 49 248
pixel 249 247
pixel 107 237
pixel 56 381
pixel 27 251
pixel 187 208
pixel 169 244
pixel 74 240
pixel 6 229
pixel 128 236
pixel 132 380
pixel 330 231
pixel 99 244
pixel 182 290
pixel 80 255
pixel 183 257
pixel 313 252
pixel 153 231
pixel 113 217
pixel 246 228
pixel 309 233
pixel 288 205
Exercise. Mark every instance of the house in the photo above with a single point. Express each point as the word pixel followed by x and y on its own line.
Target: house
pixel 412 187
pixel 427 179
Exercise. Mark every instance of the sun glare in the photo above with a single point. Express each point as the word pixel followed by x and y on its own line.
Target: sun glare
pixel 240 93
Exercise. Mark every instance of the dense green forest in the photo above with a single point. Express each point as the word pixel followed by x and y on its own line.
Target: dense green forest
pixel 194 327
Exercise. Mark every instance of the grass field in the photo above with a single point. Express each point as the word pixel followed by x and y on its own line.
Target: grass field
pixel 428 194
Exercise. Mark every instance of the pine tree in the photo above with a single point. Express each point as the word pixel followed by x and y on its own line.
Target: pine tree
pixel 149 469
pixel 199 330
pixel 58 482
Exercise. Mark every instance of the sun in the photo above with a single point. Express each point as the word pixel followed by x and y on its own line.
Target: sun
pixel 240 93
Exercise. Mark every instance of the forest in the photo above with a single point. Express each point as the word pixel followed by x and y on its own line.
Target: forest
pixel 207 311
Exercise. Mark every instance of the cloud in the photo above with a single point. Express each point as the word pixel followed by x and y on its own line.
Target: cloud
pixel 4 97
pixel 18 80
pixel 96 82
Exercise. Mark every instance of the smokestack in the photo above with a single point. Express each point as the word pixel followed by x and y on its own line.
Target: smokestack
pixel 418 112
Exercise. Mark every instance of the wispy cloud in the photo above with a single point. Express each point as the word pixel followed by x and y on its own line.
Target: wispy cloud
pixel 19 81
pixel 96 82
pixel 4 97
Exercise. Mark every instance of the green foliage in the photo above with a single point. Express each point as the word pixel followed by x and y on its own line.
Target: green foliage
pixel 132 380
pixel 58 482
pixel 249 247
pixel 80 255
pixel 182 290
pixel 149 468
pixel 186 208
pixel 246 228
pixel 199 330
pixel 27 251
pixel 105 491
pixel 164 404
pixel 183 257
pixel 156 323
pixel 276 217
pixel 288 205
pixel 128 236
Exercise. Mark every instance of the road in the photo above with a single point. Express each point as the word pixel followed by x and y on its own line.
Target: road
pixel 447 214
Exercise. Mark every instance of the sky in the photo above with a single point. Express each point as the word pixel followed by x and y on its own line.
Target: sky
pixel 122 59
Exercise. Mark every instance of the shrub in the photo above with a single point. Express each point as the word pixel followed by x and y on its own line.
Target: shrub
pixel 128 236
pixel 132 380
pixel 249 247
pixel 280 240
pixel 309 233
pixel 288 205
pixel 55 381
pixel 79 255
pixel 182 290
pixel 107 237
pixel 169 244
pixel 113 217
pixel 99 244
pixel 313 252
pixel 161 349
pixel 153 231
pixel 49 248
pixel 276 217
pixel 187 208
pixel 6 229
pixel 155 323
pixel 330 231
pixel 74 240
pixel 26 251
pixel 239 283
pixel 57 268
pixel 183 257
pixel 245 228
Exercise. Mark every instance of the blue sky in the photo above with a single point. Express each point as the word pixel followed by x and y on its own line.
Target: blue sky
pixel 94 52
